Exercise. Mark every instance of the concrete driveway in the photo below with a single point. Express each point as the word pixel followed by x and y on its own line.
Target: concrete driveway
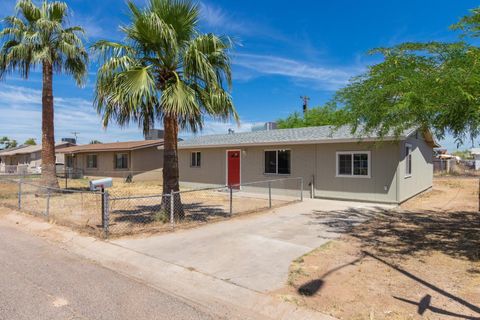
pixel 255 252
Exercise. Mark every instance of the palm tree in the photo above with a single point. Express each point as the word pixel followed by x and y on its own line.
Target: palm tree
pixel 165 70
pixel 38 36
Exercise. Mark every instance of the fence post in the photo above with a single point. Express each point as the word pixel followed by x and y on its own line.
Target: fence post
pixel 231 200
pixel 269 194
pixel 172 209
pixel 301 189
pixel 105 213
pixel 47 210
pixel 20 194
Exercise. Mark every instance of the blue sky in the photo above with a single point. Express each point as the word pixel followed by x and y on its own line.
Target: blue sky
pixel 284 51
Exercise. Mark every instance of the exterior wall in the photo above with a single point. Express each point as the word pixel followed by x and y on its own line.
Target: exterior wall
pixel 422 168
pixel 317 165
pixel 144 164
pixel 212 170
pixel 381 186
pixel 147 164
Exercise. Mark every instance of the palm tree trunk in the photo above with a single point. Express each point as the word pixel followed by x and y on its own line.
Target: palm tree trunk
pixel 170 166
pixel 49 177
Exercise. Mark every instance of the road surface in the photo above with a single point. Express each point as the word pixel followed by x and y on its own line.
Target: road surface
pixel 40 280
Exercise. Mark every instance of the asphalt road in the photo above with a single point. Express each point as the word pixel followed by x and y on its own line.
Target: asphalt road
pixel 40 280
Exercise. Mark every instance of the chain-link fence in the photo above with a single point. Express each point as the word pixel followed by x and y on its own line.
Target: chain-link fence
pixel 73 208
pixel 456 167
pixel 120 212
pixel 131 214
pixel 19 170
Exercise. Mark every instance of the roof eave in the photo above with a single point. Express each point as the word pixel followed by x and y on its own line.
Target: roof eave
pixel 111 150
pixel 287 143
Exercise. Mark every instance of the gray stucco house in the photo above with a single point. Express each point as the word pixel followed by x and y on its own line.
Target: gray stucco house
pixel 333 162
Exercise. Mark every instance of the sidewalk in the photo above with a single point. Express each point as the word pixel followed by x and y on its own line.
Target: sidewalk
pixel 218 296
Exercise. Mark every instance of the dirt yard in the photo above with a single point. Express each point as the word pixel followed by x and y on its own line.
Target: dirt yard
pixel 135 208
pixel 421 262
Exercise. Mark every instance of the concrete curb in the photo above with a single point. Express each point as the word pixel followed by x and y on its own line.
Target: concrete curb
pixel 210 293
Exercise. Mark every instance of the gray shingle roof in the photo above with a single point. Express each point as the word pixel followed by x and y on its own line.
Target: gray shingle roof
pixel 307 135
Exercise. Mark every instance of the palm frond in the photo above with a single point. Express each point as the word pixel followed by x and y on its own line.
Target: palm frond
pixel 37 35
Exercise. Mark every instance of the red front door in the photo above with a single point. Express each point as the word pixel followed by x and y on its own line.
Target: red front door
pixel 233 168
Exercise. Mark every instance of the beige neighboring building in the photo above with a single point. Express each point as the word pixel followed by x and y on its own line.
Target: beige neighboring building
pixel 138 159
pixel 333 163
pixel 29 157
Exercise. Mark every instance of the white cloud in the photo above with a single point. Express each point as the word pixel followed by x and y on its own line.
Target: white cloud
pixel 215 17
pixel 20 108
pixel 323 77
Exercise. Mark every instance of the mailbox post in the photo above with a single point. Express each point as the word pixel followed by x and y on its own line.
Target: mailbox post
pixel 101 185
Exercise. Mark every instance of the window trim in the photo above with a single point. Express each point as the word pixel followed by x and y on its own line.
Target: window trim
pixel 410 147
pixel 96 162
pixel 276 165
pixel 115 161
pixel 368 153
pixel 196 159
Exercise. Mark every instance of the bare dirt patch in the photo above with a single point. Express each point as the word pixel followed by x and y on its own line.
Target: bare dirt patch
pixel 134 208
pixel 421 261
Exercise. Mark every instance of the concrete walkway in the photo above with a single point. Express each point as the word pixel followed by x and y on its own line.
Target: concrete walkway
pixel 253 252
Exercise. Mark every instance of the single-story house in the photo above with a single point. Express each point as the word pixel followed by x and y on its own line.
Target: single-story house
pixel 332 162
pixel 30 156
pixel 138 159
pixel 475 152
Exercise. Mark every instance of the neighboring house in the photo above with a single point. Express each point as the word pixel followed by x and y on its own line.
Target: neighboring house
pixel 333 163
pixel 139 159
pixel 475 152
pixel 30 156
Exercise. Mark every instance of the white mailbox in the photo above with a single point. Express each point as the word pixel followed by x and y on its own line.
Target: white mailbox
pixel 96 185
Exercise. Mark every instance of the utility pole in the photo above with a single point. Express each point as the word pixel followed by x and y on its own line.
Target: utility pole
pixel 305 100
pixel 75 133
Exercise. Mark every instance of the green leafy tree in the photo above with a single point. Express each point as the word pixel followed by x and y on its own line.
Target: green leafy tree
pixel 95 142
pixel 465 154
pixel 38 36
pixel 30 142
pixel 8 143
pixel 320 116
pixel 426 85
pixel 165 70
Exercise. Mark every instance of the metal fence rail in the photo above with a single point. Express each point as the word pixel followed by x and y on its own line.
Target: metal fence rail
pixel 117 214
pixel 130 214
pixel 75 208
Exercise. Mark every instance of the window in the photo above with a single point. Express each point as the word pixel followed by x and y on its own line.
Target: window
pixel 408 160
pixel 69 161
pixel 353 164
pixel 92 161
pixel 121 161
pixel 277 161
pixel 196 158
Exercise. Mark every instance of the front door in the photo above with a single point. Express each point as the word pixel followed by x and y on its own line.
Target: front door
pixel 233 168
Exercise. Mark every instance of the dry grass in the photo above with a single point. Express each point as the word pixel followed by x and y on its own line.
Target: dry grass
pixel 420 262
pixel 144 213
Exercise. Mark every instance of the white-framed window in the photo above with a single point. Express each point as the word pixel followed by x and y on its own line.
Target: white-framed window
pixel 92 161
pixel 195 159
pixel 121 161
pixel 354 164
pixel 408 160
pixel 277 161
